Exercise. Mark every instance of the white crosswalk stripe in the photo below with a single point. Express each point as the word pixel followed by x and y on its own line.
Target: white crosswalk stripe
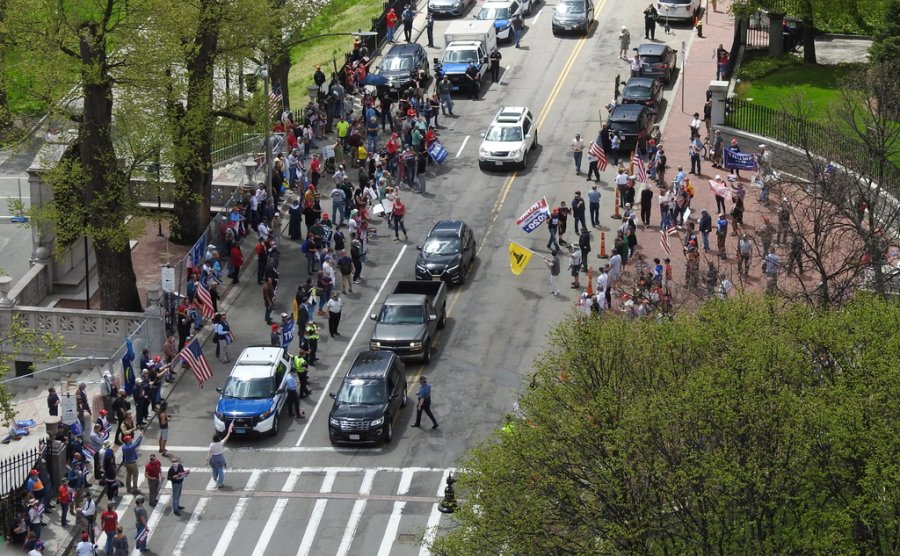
pixel 307 510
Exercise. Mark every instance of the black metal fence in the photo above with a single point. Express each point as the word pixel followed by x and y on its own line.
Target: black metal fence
pixel 824 141
pixel 13 475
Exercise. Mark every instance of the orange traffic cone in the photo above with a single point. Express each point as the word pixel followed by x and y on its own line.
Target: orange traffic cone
pixel 602 254
pixel 616 214
pixel 590 289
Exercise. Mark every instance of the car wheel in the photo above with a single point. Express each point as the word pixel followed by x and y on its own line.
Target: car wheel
pixel 443 320
pixel 426 355
pixel 404 398
pixel 388 433
pixel 535 144
pixel 275 426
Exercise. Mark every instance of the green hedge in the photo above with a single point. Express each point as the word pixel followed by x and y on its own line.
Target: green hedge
pixel 760 67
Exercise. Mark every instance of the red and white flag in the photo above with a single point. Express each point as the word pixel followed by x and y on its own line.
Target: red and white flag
pixel 638 163
pixel 664 238
pixel 597 150
pixel 192 354
pixel 206 306
pixel 275 100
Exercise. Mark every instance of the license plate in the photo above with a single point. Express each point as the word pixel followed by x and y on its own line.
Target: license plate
pixel 241 430
pixel 498 163
pixel 354 437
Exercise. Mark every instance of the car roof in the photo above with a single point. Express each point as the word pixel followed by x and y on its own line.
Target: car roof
pixel 497 4
pixel 626 112
pixel 371 364
pixel 510 115
pixel 407 49
pixel 640 82
pixel 652 49
pixel 256 362
pixel 447 227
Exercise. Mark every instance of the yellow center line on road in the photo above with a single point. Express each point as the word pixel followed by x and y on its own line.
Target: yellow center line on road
pixel 507 184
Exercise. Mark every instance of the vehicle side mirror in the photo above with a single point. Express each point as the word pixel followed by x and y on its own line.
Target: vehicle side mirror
pixel 527 136
pixel 418 247
pixel 395 396
pixel 219 390
pixel 332 396
pixel 482 135
pixel 432 317
pixel 373 316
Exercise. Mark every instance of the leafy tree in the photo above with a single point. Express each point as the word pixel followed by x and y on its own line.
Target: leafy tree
pixel 886 45
pixel 745 428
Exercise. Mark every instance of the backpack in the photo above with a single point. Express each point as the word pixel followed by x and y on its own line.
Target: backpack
pixel 304 247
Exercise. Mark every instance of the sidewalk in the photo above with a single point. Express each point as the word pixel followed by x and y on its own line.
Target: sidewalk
pixel 695 73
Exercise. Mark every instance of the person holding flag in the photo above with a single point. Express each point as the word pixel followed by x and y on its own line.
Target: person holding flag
pixel 287 331
pixel 596 160
pixel 192 354
pixel 221 331
pixel 638 163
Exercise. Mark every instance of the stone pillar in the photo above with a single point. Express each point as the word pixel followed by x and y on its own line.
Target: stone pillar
pixel 719 90
pixel 776 34
pixel 5 284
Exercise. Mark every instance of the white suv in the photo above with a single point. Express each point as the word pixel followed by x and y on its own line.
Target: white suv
pixel 509 138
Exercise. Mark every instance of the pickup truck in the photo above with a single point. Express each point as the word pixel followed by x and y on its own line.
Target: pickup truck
pixel 466 42
pixel 409 319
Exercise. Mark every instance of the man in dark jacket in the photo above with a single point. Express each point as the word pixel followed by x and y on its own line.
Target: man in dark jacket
pixel 584 243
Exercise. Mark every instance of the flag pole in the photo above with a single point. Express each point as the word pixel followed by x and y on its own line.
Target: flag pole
pixel 522 246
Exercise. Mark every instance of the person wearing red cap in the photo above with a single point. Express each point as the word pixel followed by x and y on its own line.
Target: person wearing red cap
pixel 86 547
pixel 129 459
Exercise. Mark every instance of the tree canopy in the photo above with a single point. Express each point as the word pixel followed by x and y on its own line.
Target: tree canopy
pixel 748 427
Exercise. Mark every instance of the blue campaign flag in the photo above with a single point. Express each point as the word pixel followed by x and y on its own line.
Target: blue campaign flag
pixel 128 367
pixel 734 160
pixel 437 152
pixel 287 333
pixel 197 253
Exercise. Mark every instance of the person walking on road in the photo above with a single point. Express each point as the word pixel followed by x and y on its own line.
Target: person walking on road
pixel 575 266
pixel 290 387
pixel 334 307
pixel 268 293
pixel 216 456
pixel 407 16
pixel 391 21
pixel 120 543
pixel 584 243
pixel 553 265
pixel 424 404
pixel 153 472
pixel 176 475
pixel 518 24
pixel 578 211
pixel 650 17
pixel 624 42
pixel 594 206
pixel 429 28
pixel 399 211
pixel 88 511
pixel 162 417
pixel 141 519
pixel 109 522
pixel 577 152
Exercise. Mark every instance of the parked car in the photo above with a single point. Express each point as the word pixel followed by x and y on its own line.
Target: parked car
pixel 254 394
pixel 448 253
pixel 501 12
pixel 643 90
pixel 634 122
pixel 509 139
pixel 678 9
pixel 658 61
pixel 449 7
pixel 400 64
pixel 369 399
pixel 573 15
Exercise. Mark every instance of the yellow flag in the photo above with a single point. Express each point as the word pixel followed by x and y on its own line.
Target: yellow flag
pixel 518 257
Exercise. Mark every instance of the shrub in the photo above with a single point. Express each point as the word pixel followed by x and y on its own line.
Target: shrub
pixel 761 67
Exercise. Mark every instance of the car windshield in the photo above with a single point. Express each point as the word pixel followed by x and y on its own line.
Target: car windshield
pixel 457 56
pixel 651 59
pixel 570 8
pixel 678 2
pixel 362 392
pixel 493 13
pixel 397 63
pixel 636 91
pixel 253 389
pixel 402 314
pixel 503 133
pixel 441 246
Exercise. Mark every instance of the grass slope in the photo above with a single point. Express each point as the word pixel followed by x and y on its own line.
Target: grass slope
pixel 338 16
pixel 818 85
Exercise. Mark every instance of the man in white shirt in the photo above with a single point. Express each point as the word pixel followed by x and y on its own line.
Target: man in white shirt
pixel 334 306
pixel 577 152
pixel 263 231
pixel 85 547
pixel 603 288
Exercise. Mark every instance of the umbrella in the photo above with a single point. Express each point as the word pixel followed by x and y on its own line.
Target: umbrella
pixel 375 79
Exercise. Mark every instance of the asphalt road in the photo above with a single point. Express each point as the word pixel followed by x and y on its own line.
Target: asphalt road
pixel 295 494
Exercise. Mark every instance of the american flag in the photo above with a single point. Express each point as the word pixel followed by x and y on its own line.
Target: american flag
pixel 638 163
pixel 206 306
pixel 598 151
pixel 193 356
pixel 664 238
pixel 275 99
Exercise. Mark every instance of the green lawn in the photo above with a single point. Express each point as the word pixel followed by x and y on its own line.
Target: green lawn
pixel 819 85
pixel 338 16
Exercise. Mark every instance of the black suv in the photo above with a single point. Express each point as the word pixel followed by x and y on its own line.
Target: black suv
pixel 634 122
pixel 370 397
pixel 400 64
pixel 448 253
pixel 657 60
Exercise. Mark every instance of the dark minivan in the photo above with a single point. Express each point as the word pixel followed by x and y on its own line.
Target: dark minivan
pixel 369 399
pixel 634 122
pixel 399 65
